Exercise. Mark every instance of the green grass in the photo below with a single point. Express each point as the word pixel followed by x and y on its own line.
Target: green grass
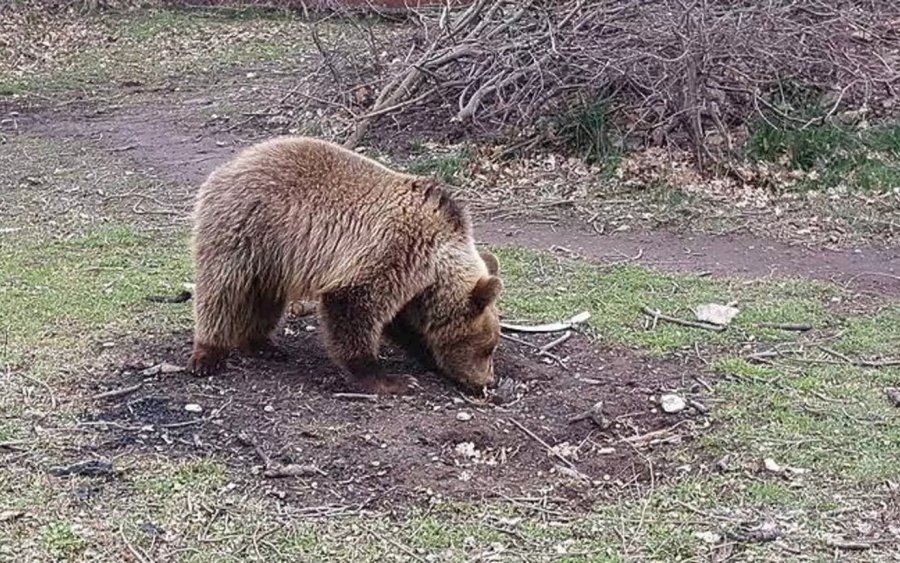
pixel 450 167
pixel 543 288
pixel 52 294
pixel 61 541
pixel 61 294
pixel 833 152
pixel 588 129
pixel 829 418
pixel 148 46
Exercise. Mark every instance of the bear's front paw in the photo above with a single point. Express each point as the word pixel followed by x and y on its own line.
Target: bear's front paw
pixel 206 360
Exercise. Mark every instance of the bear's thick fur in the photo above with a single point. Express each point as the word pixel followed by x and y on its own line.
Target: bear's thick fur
pixel 295 218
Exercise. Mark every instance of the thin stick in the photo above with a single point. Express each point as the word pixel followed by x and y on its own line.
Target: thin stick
pixel 549 449
pixel 657 315
pixel 550 327
pixel 13 444
pixel 848 544
pixel 356 396
pixel 117 392
pixel 142 558
pixel 44 385
pixel 543 350
pixel 661 433
pixel 395 543
pixel 512 338
pixel 786 326
pixel 859 363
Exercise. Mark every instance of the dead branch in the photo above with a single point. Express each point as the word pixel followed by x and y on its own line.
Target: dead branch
pixel 859 362
pixel 547 447
pixel 679 73
pixel 791 327
pixel 117 392
pixel 550 327
pixel 657 315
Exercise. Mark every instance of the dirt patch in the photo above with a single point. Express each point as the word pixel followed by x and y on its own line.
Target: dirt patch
pixel 436 441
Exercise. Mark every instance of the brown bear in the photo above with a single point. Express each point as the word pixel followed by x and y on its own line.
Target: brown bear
pixel 381 253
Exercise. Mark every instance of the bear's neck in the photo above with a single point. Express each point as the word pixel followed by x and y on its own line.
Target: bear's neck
pixel 457 268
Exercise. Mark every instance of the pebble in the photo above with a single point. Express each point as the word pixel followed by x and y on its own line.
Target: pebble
pixel 193 407
pixel 463 416
pixel 772 465
pixel 671 403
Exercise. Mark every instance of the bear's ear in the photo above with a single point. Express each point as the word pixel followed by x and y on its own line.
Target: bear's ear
pixel 493 265
pixel 485 292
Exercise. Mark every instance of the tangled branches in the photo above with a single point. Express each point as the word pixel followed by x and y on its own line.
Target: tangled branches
pixel 682 72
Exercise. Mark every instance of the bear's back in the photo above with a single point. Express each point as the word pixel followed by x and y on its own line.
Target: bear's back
pixel 325 210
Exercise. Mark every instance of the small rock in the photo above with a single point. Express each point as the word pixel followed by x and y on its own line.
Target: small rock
pixel 466 449
pixel 151 371
pixel 193 407
pixel 893 395
pixel 166 367
pixel 708 537
pixel 716 314
pixel 671 403
pixel 723 464
pixel 269 408
pixel 772 465
pixel 463 416
pixel 504 393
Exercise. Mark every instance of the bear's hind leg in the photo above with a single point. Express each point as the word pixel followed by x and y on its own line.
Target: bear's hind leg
pixel 353 322
pixel 213 332
pixel 264 312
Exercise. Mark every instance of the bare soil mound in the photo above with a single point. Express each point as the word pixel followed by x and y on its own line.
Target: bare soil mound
pixel 288 415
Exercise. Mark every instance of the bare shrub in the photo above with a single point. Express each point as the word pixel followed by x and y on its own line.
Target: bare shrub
pixel 685 73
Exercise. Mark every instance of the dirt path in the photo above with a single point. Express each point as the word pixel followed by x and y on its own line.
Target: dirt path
pixel 172 142
pixel 864 269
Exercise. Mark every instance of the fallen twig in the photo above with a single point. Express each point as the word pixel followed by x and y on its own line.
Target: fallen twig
pixel 247 440
pixel 292 470
pixel 656 315
pixel 858 362
pixel 139 555
pixel 13 444
pixel 356 396
pixel 595 413
pixel 395 543
pixel 89 468
pixel 850 545
pixel 553 344
pixel 549 449
pixel 117 392
pixel 550 327
pixel 792 327
pixel 181 297
pixel 661 434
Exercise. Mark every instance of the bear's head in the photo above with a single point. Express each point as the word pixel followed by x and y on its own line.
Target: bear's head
pixel 463 347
